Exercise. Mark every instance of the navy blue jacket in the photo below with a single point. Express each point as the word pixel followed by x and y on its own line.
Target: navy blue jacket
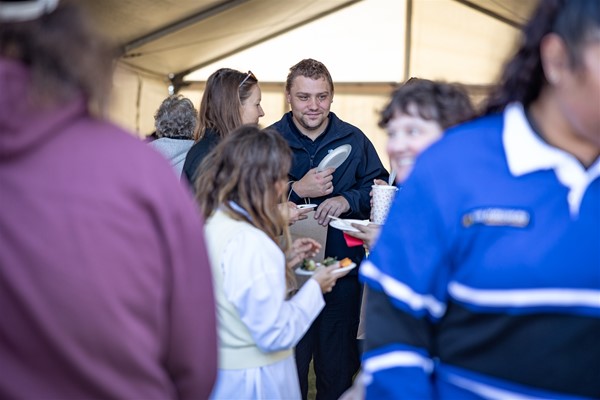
pixel 197 153
pixel 353 179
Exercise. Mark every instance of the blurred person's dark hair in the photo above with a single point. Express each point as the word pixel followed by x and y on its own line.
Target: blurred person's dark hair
pixel 447 104
pixel 574 21
pixel 176 118
pixel 226 89
pixel 65 55
pixel 308 68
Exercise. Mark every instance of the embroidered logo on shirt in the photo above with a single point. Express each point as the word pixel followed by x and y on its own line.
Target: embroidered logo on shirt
pixel 497 217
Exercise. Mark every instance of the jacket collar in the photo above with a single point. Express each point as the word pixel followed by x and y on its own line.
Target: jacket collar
pixel 335 130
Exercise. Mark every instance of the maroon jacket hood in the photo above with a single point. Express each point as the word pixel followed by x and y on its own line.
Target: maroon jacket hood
pixel 22 126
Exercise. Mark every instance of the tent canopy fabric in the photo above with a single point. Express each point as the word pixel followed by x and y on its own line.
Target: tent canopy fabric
pixel 174 37
pixel 368 46
pixel 169 39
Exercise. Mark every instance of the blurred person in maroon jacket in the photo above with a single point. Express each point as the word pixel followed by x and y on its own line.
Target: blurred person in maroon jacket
pixel 105 286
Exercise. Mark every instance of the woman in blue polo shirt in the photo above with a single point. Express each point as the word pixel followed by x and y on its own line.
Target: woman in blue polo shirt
pixel 490 286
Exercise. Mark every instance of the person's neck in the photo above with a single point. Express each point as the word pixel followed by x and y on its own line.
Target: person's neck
pixel 554 128
pixel 312 134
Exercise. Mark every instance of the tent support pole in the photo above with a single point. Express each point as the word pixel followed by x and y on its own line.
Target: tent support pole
pixel 190 20
pixel 490 13
pixel 408 39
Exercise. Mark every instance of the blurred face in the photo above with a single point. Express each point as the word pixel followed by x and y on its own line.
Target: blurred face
pixel 408 136
pixel 578 93
pixel 310 101
pixel 251 109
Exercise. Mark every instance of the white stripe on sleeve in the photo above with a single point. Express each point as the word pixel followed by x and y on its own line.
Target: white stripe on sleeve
pixel 402 292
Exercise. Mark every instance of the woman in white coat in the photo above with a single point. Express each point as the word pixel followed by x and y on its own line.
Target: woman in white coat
pixel 261 316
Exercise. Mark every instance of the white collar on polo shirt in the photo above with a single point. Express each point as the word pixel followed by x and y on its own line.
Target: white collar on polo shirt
pixel 526 152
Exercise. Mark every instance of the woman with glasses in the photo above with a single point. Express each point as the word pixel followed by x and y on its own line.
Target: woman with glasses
pixel 231 99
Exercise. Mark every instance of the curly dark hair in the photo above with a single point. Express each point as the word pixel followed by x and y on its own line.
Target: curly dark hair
pixel 176 117
pixel 523 77
pixel 447 104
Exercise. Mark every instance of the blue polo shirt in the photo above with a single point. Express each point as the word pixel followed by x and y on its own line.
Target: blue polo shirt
pixel 486 277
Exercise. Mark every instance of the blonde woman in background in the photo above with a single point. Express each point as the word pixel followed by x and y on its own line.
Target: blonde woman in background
pixel 231 99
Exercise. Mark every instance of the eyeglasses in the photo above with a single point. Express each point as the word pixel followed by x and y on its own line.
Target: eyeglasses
pixel 248 75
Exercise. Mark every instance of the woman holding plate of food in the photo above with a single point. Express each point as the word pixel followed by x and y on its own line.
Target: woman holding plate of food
pixel 261 314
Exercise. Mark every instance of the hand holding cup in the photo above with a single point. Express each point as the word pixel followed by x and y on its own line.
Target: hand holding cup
pixel 383 197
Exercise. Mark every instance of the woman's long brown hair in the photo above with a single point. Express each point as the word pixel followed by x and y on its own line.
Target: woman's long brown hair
pixel 246 167
pixel 226 90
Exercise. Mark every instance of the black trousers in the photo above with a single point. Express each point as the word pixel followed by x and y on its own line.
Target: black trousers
pixel 331 342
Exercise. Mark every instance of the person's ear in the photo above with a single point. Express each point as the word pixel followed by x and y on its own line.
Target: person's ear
pixel 554 57
pixel 288 96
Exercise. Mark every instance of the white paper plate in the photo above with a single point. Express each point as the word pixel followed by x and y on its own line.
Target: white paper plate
pixel 346 268
pixel 335 158
pixel 344 224
pixel 302 206
pixel 300 271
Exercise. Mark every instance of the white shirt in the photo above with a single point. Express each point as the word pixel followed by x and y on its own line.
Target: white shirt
pixel 253 269
pixel 526 152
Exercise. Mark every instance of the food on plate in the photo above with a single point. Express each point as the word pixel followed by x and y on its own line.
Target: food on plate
pixel 310 264
pixel 329 261
pixel 345 262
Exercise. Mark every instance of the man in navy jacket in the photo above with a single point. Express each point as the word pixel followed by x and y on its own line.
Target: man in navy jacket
pixel 312 132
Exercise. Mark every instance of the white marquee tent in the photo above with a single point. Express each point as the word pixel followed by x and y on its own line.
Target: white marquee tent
pixel 368 45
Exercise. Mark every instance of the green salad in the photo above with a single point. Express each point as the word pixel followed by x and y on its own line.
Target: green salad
pixel 311 265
